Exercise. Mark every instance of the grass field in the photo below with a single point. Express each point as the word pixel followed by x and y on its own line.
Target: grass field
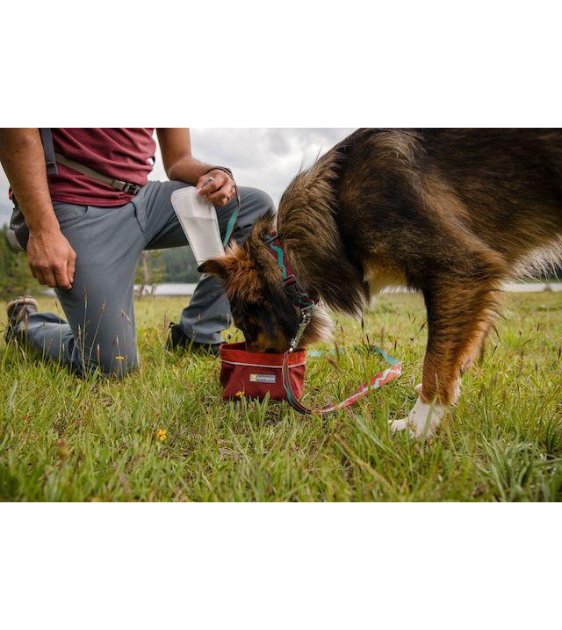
pixel 164 434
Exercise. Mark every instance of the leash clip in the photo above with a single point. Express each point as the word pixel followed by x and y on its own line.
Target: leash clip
pixel 306 316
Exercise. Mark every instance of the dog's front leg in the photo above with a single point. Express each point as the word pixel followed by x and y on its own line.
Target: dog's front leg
pixel 458 320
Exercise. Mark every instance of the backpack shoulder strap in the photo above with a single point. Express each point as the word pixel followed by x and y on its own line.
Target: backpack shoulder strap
pixel 51 159
pixel 49 149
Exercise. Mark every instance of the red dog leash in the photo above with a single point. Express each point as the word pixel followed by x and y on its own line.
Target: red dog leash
pixel 378 381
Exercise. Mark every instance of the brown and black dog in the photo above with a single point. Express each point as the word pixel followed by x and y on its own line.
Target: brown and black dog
pixel 452 213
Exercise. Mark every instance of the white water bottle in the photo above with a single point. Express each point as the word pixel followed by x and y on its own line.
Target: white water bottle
pixel 198 219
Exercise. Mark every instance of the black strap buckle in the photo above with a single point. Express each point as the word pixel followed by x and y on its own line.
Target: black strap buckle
pixel 125 187
pixel 131 189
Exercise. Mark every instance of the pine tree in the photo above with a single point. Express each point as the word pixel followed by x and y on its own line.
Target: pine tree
pixel 15 275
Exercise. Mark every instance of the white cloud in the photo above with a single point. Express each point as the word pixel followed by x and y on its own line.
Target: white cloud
pixel 264 158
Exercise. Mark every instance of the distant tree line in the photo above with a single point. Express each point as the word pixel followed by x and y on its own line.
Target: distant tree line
pixel 179 265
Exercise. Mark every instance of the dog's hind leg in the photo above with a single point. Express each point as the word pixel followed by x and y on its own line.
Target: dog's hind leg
pixel 459 316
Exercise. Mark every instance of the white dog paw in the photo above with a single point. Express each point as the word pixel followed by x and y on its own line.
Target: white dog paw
pixel 399 425
pixel 422 421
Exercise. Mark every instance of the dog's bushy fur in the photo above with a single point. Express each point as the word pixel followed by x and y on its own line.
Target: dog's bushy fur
pixel 449 212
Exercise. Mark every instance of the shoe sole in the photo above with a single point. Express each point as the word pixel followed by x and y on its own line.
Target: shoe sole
pixel 23 301
pixel 26 300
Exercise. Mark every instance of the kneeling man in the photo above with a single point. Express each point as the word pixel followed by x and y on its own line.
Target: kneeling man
pixel 88 225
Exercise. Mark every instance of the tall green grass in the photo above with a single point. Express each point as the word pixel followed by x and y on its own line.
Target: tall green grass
pixel 164 433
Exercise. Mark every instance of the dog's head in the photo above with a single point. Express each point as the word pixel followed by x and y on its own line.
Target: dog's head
pixel 260 307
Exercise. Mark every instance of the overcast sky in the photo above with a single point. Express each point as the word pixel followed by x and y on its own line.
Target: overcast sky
pixel 264 158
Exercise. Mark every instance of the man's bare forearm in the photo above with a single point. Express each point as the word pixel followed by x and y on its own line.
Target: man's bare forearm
pixel 188 169
pixel 213 184
pixel 50 255
pixel 21 154
pixel 179 163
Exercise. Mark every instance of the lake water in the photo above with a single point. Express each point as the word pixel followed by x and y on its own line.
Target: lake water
pixel 171 289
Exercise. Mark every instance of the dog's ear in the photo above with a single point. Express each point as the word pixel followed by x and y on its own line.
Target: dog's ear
pixel 219 267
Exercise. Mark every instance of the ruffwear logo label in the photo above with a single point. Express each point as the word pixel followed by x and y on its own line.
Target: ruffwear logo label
pixel 263 378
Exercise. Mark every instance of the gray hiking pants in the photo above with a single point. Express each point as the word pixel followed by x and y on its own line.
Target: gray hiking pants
pixel 100 333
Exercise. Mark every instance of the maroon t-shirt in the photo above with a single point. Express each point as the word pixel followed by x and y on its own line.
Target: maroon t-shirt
pixel 123 154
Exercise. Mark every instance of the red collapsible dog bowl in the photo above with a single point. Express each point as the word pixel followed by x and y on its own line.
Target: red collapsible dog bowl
pixel 255 374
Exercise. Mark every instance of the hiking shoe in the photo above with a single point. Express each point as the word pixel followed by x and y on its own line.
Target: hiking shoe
pixel 19 311
pixel 178 340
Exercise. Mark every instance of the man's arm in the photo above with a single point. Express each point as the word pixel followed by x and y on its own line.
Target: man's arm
pixel 50 256
pixel 181 166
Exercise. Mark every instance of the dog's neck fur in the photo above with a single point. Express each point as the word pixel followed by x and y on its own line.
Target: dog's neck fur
pixel 311 238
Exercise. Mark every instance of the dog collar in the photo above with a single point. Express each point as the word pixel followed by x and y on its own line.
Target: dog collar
pixel 298 296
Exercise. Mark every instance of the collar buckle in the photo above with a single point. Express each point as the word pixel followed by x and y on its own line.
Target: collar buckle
pixel 306 316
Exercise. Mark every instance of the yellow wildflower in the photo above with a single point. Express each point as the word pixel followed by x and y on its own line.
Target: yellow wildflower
pixel 161 434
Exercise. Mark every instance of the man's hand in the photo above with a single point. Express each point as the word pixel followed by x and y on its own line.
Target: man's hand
pixel 51 258
pixel 217 186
